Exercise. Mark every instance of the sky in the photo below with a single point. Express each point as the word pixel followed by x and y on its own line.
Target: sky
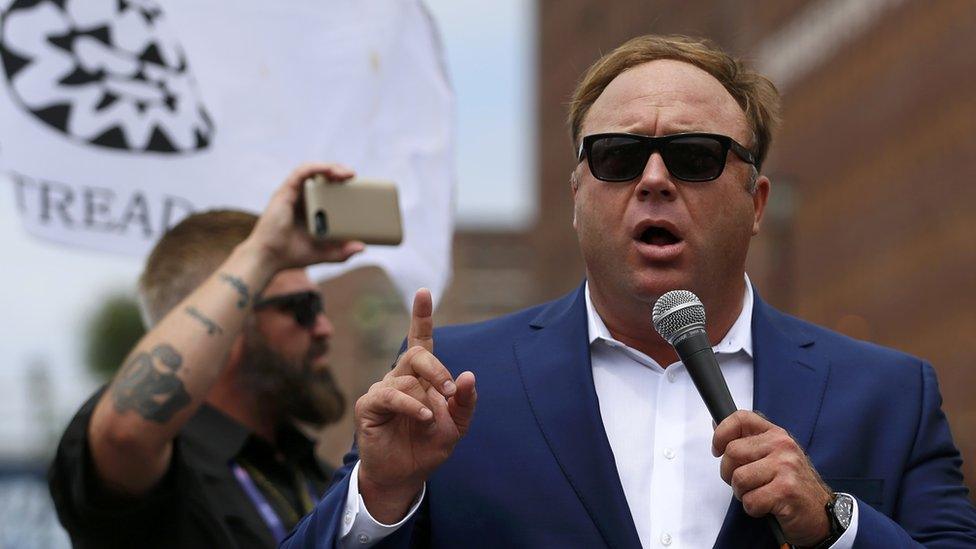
pixel 490 53
pixel 50 290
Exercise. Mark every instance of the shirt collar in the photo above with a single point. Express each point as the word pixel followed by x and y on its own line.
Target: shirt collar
pixel 738 338
pixel 216 433
pixel 223 437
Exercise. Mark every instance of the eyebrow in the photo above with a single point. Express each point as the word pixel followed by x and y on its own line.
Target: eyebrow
pixel 671 129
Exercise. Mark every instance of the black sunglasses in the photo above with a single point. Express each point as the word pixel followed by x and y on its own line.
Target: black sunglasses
pixel 305 306
pixel 688 156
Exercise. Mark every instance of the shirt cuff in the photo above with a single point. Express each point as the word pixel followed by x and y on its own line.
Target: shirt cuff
pixel 846 540
pixel 359 528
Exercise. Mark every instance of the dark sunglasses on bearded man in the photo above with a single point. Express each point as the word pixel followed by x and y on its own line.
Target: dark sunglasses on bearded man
pixel 694 157
pixel 305 306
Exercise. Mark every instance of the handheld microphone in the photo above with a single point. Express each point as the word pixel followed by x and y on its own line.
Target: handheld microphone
pixel 679 316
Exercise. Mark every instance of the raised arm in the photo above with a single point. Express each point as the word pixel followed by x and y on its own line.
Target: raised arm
pixel 168 374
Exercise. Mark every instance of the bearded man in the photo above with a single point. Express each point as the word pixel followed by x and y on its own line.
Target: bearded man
pixel 193 444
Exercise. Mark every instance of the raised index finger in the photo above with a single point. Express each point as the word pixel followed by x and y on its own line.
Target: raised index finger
pixel 422 321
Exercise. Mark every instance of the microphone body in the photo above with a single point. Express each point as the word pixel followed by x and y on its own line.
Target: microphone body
pixel 696 353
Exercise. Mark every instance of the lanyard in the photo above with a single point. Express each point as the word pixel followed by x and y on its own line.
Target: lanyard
pixel 265 509
pixel 260 502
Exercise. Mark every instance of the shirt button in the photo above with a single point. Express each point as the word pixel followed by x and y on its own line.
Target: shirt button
pixel 348 518
pixel 363 538
pixel 669 453
pixel 665 539
pixel 672 376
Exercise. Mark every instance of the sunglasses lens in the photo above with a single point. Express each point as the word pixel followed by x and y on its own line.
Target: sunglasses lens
pixel 618 158
pixel 304 318
pixel 695 158
pixel 307 309
pixel 304 306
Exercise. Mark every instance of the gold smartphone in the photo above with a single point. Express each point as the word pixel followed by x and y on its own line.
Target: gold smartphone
pixel 358 209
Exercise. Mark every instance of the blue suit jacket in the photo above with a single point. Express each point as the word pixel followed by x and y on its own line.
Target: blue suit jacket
pixel 536 469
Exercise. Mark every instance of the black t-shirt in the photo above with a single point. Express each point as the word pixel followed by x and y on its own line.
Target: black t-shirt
pixel 198 502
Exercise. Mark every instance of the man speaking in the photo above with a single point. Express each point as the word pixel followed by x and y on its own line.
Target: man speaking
pixel 588 431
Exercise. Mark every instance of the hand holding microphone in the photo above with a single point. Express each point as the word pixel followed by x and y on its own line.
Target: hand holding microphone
pixel 767 469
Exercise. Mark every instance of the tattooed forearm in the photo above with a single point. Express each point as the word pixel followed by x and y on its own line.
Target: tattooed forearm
pixel 148 384
pixel 240 286
pixel 212 327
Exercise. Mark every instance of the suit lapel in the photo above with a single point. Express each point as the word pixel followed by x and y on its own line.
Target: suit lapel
pixel 790 379
pixel 789 385
pixel 554 364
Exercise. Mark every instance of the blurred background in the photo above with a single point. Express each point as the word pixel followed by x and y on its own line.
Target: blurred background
pixel 870 231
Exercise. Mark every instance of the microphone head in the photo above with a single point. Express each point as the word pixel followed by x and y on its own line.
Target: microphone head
pixel 677 313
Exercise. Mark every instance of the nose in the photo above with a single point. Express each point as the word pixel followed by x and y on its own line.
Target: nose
pixel 655 181
pixel 323 326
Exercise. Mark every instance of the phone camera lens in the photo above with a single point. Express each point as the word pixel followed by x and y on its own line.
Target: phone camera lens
pixel 321 224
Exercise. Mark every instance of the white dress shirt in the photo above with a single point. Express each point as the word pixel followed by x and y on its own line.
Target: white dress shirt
pixel 661 435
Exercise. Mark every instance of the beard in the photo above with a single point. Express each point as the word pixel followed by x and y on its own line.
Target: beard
pixel 289 389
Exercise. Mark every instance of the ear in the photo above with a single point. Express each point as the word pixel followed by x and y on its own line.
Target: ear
pixel 574 183
pixel 759 200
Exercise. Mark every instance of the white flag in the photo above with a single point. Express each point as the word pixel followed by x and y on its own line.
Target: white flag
pixel 119 117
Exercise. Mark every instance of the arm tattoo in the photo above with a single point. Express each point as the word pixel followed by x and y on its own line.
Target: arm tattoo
pixel 212 327
pixel 148 384
pixel 241 288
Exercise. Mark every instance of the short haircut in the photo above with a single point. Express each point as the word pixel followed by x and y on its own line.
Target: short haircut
pixel 752 91
pixel 186 255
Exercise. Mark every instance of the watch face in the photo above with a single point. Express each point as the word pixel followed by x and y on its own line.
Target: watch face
pixel 844 509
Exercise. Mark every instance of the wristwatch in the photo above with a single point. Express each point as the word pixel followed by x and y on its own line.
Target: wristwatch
pixel 840 511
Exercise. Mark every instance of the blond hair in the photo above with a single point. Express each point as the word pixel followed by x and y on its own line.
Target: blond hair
pixel 186 255
pixel 754 93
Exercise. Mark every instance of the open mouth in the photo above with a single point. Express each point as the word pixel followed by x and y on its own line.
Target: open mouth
pixel 658 236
